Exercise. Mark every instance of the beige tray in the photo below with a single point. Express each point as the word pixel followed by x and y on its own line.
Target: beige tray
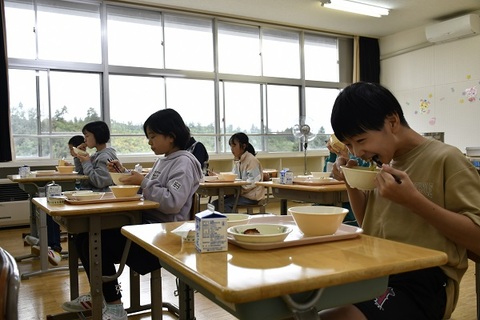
pixel 108 197
pixel 316 182
pixel 53 173
pixel 295 238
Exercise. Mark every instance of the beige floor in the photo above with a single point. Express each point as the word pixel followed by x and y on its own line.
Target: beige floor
pixel 43 295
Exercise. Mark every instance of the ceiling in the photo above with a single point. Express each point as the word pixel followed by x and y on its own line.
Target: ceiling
pixel 404 14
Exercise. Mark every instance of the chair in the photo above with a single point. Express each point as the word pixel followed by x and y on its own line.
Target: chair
pixel 9 286
pixel 260 205
pixel 475 258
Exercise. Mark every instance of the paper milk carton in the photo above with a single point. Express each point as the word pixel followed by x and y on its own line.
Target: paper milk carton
pixel 210 231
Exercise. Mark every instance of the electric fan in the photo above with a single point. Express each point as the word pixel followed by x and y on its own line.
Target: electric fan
pixel 306 133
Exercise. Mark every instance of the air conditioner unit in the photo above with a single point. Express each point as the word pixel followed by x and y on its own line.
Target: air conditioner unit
pixel 456 28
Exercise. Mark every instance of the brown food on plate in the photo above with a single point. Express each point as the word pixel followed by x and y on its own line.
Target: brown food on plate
pixel 251 231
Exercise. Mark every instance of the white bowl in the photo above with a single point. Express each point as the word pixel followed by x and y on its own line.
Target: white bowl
pixel 318 220
pixel 276 180
pixel 83 196
pixel 210 178
pixel 124 191
pixel 79 151
pixel 235 219
pixel 70 194
pixel 321 175
pixel 268 232
pixel 65 169
pixel 117 175
pixel 227 176
pixel 362 178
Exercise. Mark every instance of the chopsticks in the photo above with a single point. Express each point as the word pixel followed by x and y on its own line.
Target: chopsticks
pixel 117 169
pixel 379 163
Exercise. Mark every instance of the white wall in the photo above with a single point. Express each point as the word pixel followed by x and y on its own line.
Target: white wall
pixel 431 84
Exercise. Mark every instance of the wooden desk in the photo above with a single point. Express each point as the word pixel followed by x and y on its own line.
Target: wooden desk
pixel 35 186
pixel 332 194
pixel 93 218
pixel 265 284
pixel 221 189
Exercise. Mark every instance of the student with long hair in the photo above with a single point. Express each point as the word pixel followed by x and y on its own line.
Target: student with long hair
pixel 248 168
pixel 172 182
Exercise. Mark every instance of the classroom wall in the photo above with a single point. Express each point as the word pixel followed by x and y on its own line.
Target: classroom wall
pixel 436 84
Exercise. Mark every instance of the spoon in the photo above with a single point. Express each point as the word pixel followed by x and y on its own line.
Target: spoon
pixel 379 164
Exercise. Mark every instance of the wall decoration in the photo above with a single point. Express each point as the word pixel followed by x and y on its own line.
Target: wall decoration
pixel 471 94
pixel 424 107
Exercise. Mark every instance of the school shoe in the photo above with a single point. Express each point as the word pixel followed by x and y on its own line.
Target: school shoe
pixel 54 257
pixel 31 240
pixel 114 312
pixel 80 304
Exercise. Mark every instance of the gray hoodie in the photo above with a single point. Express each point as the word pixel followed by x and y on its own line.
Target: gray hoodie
pixel 172 182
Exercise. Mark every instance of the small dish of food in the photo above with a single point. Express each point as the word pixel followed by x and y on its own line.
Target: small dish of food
pixel 235 219
pixel 87 196
pixel 259 233
pixel 70 194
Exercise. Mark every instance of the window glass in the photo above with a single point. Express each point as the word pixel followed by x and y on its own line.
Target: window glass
pixel 280 53
pixel 319 103
pixel 69 31
pixel 125 46
pixel 75 100
pixel 23 111
pixel 283 104
pixel 20 25
pixel 188 43
pixel 238 49
pixel 50 103
pixel 242 111
pixel 195 101
pixel 132 101
pixel 321 58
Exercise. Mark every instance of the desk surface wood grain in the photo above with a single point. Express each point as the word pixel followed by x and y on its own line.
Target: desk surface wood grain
pixel 241 275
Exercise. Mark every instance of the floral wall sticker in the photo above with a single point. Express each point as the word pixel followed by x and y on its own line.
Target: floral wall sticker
pixel 470 94
pixel 424 107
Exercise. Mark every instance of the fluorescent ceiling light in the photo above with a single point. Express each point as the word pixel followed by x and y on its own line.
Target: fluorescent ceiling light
pixel 355 7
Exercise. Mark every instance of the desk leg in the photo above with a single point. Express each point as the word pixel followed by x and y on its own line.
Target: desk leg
pixel 221 200
pixel 238 191
pixel 283 206
pixel 186 301
pixel 42 228
pixel 95 250
pixel 73 266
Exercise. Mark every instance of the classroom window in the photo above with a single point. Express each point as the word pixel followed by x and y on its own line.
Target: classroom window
pixel 72 62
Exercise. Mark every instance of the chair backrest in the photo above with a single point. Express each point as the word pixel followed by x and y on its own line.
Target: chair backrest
pixel 9 286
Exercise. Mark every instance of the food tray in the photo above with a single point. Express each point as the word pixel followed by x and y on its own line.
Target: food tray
pixel 108 197
pixel 221 181
pixel 316 182
pixel 52 173
pixel 295 238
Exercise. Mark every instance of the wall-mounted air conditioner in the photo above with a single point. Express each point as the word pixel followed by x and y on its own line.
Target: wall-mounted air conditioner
pixel 456 28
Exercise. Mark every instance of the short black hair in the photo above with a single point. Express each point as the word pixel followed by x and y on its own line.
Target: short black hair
pixel 99 129
pixel 361 107
pixel 168 122
pixel 76 140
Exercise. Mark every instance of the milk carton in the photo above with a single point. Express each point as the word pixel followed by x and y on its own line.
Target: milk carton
pixel 210 231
